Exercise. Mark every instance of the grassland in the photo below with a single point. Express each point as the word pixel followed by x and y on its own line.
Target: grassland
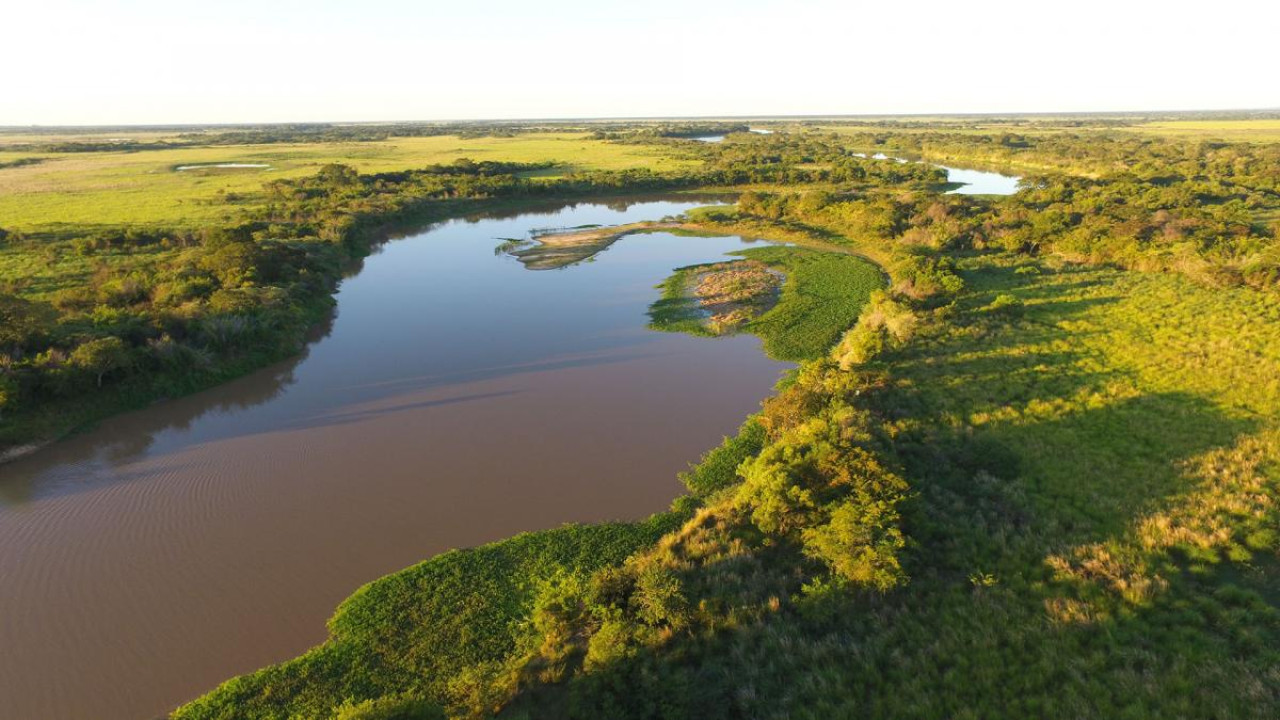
pixel 1229 130
pixel 86 191
pixel 822 297
pixel 1259 131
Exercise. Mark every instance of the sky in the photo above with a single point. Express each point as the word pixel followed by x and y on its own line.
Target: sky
pixel 97 62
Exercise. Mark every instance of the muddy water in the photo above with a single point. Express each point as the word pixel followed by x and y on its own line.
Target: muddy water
pixel 456 399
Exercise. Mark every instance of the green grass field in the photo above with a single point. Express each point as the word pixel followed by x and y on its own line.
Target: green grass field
pixel 83 191
pixel 822 297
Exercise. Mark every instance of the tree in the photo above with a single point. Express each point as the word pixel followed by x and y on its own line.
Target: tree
pixel 100 356
pixel 19 321
pixel 390 707
pixel 8 393
pixel 337 174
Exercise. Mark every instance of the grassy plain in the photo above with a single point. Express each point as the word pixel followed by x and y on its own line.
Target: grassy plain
pixel 86 191
pixel 822 296
pixel 1261 131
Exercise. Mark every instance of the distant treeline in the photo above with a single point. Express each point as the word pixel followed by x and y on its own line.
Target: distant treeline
pixel 20 162
pixel 273 134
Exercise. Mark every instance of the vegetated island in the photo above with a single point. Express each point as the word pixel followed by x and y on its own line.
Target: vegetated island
pixel 716 298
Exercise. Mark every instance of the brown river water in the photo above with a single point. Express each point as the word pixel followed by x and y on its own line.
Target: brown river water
pixel 456 398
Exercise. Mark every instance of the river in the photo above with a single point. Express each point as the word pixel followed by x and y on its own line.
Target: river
pixel 456 398
pixel 972 182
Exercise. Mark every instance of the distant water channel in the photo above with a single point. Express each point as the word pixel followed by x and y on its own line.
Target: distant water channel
pixel 973 182
pixel 457 398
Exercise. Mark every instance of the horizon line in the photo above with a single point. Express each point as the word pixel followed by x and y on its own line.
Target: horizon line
pixel 654 118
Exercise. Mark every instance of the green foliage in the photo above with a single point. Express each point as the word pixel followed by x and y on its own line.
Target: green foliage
pixel 1005 305
pixel 886 324
pixel 860 542
pixel 390 708
pixel 101 356
pixel 824 478
pixel 8 393
pixel 659 598
pixel 718 468
pixel 822 297
pixel 20 324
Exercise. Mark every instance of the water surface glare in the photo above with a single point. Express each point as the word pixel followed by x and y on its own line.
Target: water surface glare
pixel 457 398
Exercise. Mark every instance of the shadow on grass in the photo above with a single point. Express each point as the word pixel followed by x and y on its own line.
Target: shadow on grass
pixel 1021 445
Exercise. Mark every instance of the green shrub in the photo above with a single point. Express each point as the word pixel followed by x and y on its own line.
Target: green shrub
pixel 718 468
pixel 659 598
pixel 1005 305
pixel 392 707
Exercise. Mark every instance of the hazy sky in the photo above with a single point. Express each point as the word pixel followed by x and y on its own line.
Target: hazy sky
pixel 175 61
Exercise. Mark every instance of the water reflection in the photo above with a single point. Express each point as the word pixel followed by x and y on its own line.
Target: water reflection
pixel 90 459
pixel 981 182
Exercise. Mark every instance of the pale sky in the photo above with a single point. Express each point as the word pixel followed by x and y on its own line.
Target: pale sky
pixel 89 62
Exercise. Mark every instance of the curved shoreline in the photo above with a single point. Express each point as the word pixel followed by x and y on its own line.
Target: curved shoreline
pixel 426 591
